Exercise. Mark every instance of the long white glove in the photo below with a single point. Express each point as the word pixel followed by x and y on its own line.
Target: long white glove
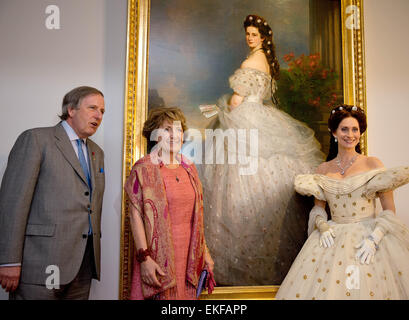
pixel 367 247
pixel 327 234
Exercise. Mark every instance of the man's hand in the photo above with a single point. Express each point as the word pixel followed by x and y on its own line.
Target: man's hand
pixel 10 277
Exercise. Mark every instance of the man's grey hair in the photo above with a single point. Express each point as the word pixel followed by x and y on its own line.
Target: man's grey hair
pixel 73 99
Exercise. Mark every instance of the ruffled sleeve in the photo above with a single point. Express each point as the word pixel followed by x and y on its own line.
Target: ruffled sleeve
pixel 242 82
pixel 387 180
pixel 306 184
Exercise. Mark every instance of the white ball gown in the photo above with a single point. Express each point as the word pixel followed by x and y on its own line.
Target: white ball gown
pixel 333 273
pixel 254 223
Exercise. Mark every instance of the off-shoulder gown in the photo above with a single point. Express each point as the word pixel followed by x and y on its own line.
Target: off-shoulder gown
pixel 254 224
pixel 333 273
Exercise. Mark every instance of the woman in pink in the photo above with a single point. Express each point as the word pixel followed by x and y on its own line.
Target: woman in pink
pixel 166 200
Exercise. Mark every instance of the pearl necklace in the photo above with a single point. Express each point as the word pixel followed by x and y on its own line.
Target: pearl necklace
pixel 343 169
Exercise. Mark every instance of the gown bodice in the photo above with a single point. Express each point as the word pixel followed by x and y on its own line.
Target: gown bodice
pixel 252 84
pixel 278 132
pixel 322 273
pixel 352 199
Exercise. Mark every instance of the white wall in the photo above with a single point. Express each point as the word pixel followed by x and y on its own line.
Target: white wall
pixel 387 70
pixel 38 66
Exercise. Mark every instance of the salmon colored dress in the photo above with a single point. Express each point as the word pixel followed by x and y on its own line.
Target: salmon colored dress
pixel 181 200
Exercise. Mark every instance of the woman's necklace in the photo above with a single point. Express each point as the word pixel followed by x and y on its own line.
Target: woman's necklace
pixel 253 52
pixel 176 175
pixel 343 169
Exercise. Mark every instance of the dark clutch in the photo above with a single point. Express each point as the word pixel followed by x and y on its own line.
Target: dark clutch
pixel 202 283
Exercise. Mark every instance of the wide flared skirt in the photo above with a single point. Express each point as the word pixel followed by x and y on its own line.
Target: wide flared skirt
pixel 334 273
pixel 255 223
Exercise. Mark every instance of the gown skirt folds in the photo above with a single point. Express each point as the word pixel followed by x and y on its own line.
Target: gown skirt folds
pixel 334 273
pixel 254 224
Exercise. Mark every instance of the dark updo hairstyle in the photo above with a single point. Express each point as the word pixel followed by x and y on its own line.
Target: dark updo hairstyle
pixel 338 114
pixel 266 33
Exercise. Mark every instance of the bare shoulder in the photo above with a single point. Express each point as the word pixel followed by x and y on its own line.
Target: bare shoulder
pixel 249 63
pixel 322 168
pixel 245 64
pixel 373 162
pixel 257 61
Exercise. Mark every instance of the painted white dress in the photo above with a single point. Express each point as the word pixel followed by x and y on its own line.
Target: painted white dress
pixel 254 226
pixel 333 273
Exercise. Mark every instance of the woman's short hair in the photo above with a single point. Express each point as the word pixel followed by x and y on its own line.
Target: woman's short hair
pixel 73 99
pixel 157 117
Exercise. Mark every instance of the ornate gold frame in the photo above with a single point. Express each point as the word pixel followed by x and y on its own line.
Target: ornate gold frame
pixel 136 104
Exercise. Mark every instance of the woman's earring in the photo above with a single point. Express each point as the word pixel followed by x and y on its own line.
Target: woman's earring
pixel 336 140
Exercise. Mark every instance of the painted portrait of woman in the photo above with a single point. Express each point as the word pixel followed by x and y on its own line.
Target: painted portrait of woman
pixel 267 66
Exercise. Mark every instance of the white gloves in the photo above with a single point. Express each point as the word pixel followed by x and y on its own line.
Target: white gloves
pixel 367 247
pixel 318 218
pixel 327 234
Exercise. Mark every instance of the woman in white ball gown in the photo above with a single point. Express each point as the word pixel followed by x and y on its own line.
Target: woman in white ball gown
pixel 254 225
pixel 358 254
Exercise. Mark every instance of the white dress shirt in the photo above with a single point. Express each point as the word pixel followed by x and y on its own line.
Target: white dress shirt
pixel 73 137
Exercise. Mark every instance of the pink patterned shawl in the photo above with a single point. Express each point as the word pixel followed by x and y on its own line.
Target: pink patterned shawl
pixel 146 192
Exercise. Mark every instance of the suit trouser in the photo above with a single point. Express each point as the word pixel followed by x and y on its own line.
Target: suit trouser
pixel 77 289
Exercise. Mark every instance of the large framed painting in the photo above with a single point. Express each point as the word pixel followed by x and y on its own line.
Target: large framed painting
pixel 182 53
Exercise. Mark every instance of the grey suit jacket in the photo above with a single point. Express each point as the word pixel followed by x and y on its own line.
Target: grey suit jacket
pixel 45 203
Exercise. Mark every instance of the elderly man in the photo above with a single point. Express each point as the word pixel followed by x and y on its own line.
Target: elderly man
pixel 50 205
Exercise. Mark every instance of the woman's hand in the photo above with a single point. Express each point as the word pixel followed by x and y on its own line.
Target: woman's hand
pixel 235 101
pixel 149 268
pixel 209 263
pixel 366 252
pixel 327 238
pixel 327 234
